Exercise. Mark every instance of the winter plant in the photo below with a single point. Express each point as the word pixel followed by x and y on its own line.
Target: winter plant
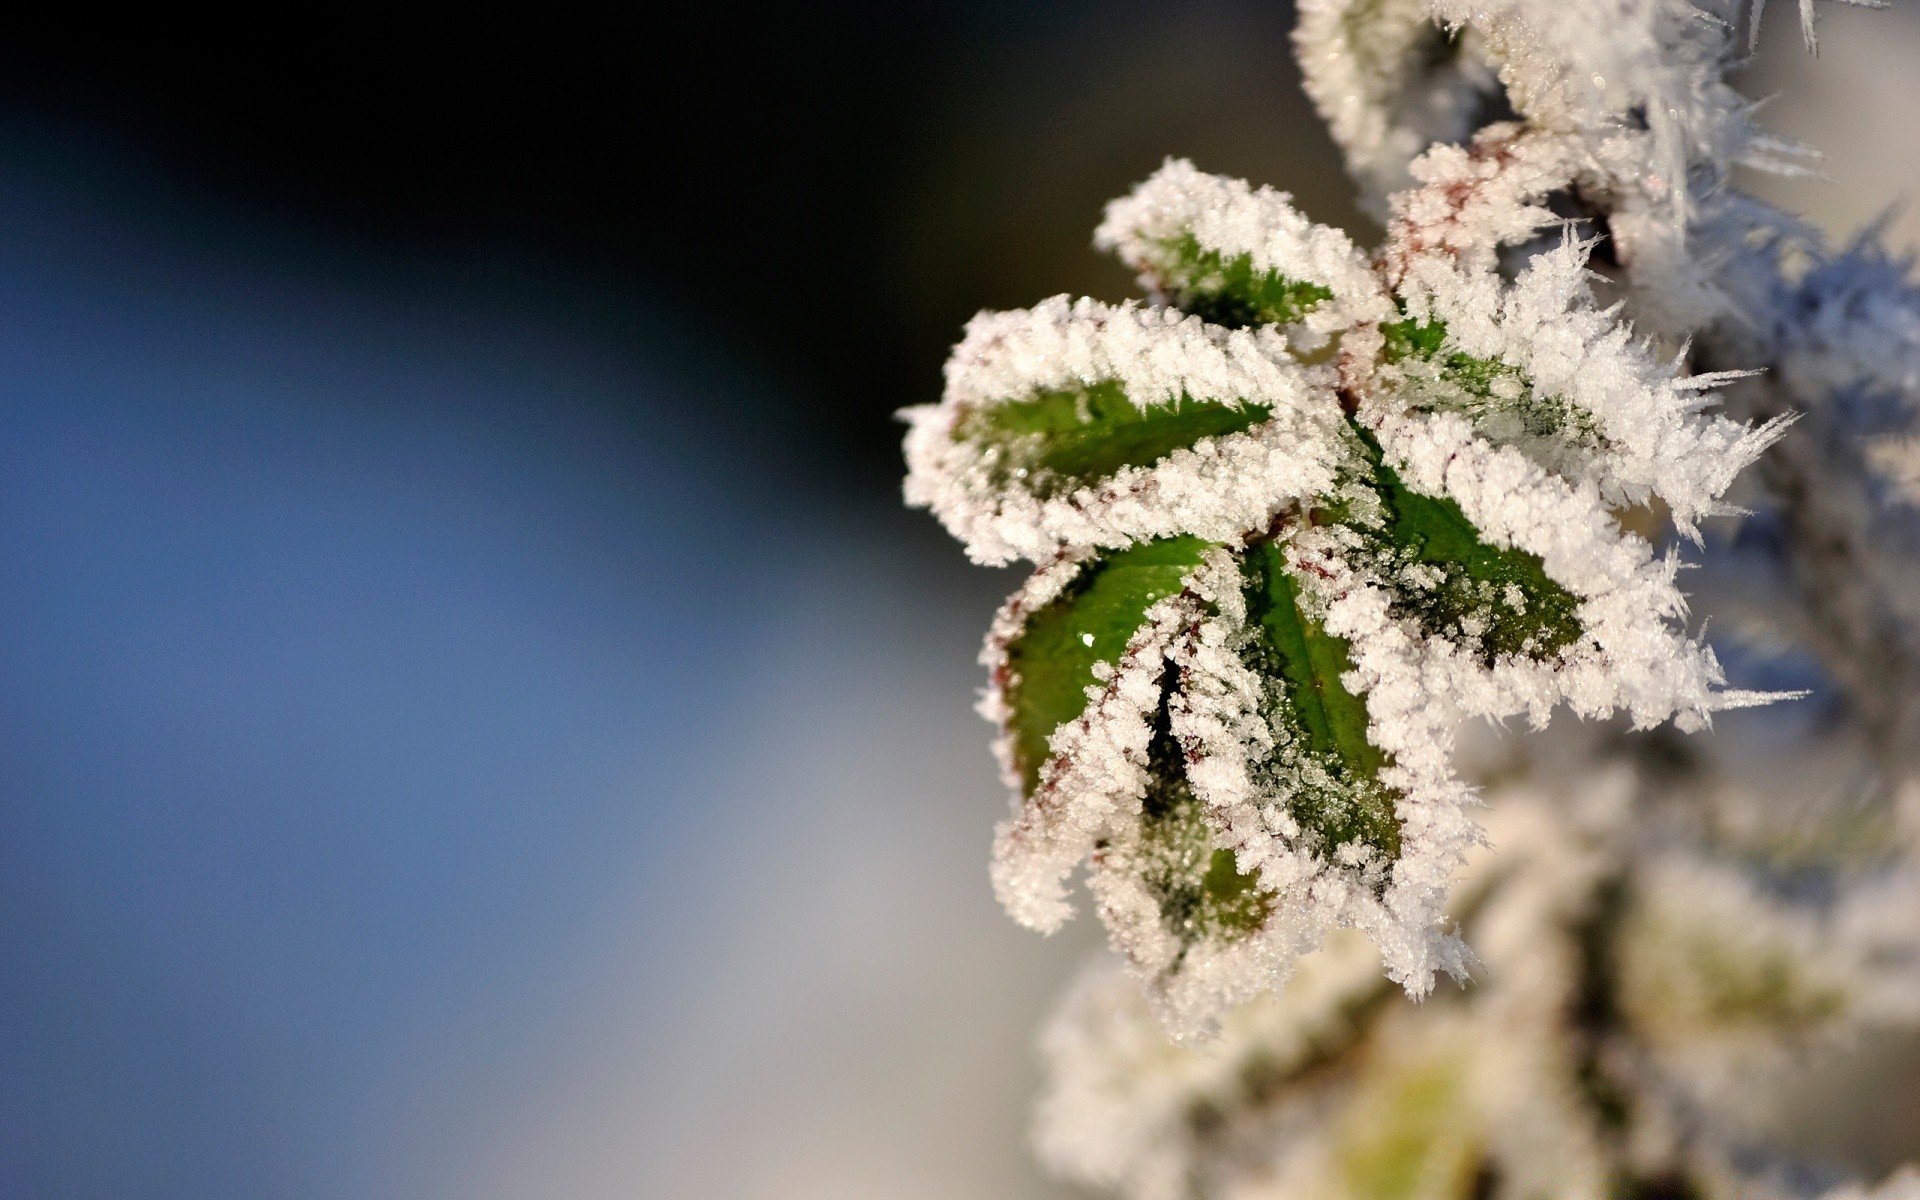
pixel 1308 510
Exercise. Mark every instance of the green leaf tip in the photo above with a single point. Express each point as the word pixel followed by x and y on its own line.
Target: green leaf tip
pixel 1200 890
pixel 1228 289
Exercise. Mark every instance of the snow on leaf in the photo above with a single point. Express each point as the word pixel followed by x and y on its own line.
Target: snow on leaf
pixel 1290 731
pixel 1625 420
pixel 1495 395
pixel 1091 787
pixel 1629 656
pixel 1229 291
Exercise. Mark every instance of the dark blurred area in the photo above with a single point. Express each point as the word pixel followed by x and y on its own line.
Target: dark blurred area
pixel 826 191
pixel 474 717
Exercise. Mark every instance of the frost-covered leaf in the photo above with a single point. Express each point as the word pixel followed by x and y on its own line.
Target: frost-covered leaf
pixel 1321 718
pixel 1055 442
pixel 1457 587
pixel 1175 715
pixel 1078 780
pixel 1629 656
pixel 1496 396
pixel 1289 767
pixel 1229 290
pixel 1047 667
pixel 1227 430
pixel 1308 752
pixel 1237 255
pixel 1285 727
pixel 1539 365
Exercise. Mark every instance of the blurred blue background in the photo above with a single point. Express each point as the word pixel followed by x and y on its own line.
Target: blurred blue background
pixel 433 767
pixel 474 719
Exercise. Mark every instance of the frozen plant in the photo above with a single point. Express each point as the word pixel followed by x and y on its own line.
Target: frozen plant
pixel 1305 512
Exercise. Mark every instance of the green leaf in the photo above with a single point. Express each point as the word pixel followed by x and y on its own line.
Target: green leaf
pixel 1500 599
pixel 1414 339
pixel 1057 441
pixel 1341 801
pixel 1199 887
pixel 1050 664
pixel 1490 392
pixel 1229 291
pixel 1459 587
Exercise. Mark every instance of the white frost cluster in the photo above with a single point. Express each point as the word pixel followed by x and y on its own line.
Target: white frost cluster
pixel 1622 956
pixel 1576 328
pixel 1648 438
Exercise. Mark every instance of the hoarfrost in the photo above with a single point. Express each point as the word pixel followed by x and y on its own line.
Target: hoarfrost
pixel 1217 488
pixel 1417 489
pixel 1253 442
pixel 1229 218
